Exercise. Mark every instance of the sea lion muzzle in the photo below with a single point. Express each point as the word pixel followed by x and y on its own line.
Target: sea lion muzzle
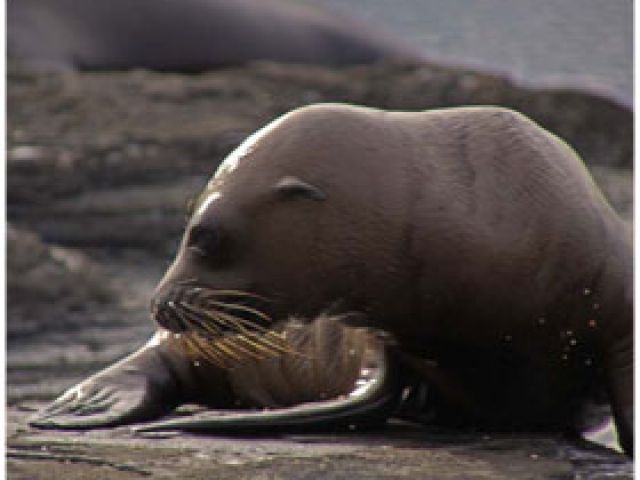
pixel 220 326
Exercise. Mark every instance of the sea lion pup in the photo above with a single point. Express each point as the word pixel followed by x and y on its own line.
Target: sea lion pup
pixel 189 35
pixel 473 236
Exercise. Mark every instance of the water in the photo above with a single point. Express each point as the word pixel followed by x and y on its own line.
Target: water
pixel 585 43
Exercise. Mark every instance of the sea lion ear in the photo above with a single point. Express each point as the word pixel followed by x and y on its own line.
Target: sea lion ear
pixel 293 186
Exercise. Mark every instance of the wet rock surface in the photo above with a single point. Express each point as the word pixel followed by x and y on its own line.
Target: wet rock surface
pixel 100 170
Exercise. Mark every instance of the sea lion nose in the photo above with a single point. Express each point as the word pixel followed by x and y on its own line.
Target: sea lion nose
pixel 165 313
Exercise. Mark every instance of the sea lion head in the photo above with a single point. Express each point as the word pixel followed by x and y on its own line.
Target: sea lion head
pixel 289 225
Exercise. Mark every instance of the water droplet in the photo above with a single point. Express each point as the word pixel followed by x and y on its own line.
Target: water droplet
pixel 592 323
pixel 542 321
pixel 587 292
pixel 573 341
pixel 588 362
pixel 565 356
pixel 196 363
pixel 596 306
pixel 352 427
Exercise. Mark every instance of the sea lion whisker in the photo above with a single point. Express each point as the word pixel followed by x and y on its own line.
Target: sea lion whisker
pixel 236 344
pixel 192 284
pixel 188 321
pixel 241 324
pixel 280 345
pixel 226 352
pixel 237 341
pixel 198 347
pixel 240 293
pixel 259 342
pixel 197 324
pixel 208 351
pixel 201 323
pixel 268 350
pixel 213 354
pixel 227 349
pixel 231 322
pixel 191 346
pixel 194 350
pixel 259 339
pixel 187 281
pixel 211 330
pixel 214 348
pixel 163 315
pixel 212 326
pixel 243 308
pixel 251 346
pixel 276 346
pixel 209 292
pixel 259 346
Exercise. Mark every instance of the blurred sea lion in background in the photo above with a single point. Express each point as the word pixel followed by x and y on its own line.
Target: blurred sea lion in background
pixel 188 35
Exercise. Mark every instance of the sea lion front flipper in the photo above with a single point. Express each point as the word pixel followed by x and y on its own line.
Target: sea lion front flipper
pixel 106 399
pixel 620 382
pixel 366 405
pixel 142 386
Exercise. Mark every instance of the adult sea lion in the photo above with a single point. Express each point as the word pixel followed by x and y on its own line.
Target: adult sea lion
pixel 474 237
pixel 189 35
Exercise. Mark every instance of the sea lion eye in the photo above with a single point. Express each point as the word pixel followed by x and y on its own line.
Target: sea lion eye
pixel 205 241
